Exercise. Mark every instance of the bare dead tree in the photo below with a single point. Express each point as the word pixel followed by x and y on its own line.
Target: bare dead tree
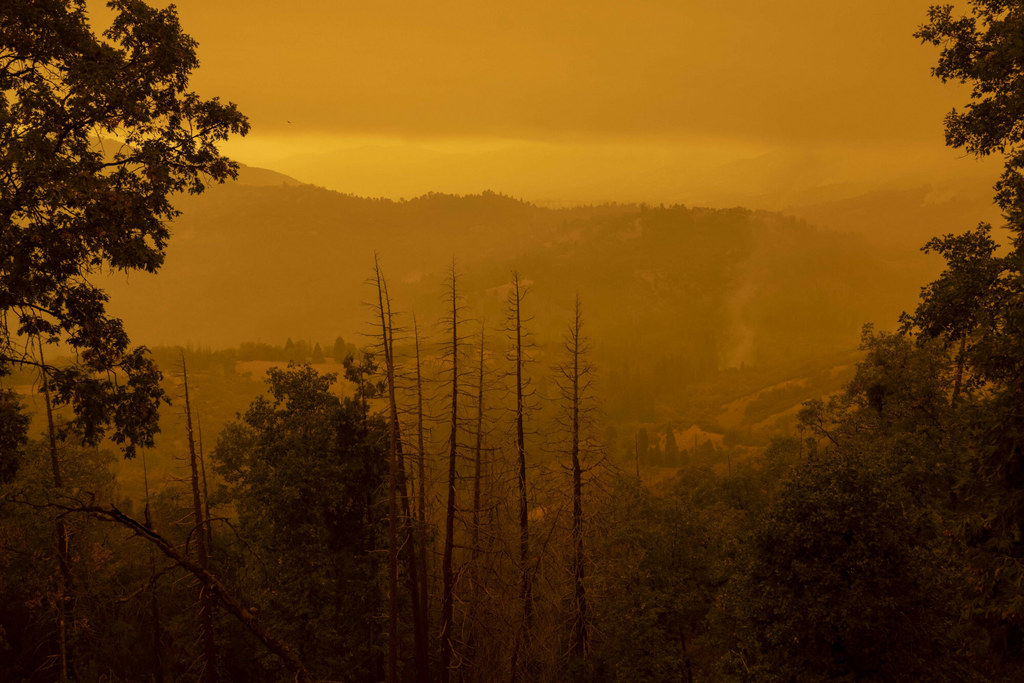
pixel 452 351
pixel 206 490
pixel 398 484
pixel 392 669
pixel 478 452
pixel 515 330
pixel 199 525
pixel 574 377
pixel 421 472
pixel 475 544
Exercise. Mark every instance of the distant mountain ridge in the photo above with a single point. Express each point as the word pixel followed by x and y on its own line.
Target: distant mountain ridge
pixel 671 294
pixel 270 257
pixel 260 177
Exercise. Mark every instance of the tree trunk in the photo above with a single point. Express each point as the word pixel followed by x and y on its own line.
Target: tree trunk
pixel 396 468
pixel 422 495
pixel 205 596
pixel 392 670
pixel 478 453
pixel 154 604
pixel 447 573
pixel 206 491
pixel 65 596
pixel 525 583
pixel 579 630
pixel 474 544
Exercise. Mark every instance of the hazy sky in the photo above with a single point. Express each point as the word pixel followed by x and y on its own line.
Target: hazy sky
pixel 577 100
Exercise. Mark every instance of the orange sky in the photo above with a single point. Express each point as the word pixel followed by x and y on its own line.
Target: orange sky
pixel 573 101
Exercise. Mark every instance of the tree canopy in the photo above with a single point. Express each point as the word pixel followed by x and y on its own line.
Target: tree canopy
pixel 305 471
pixel 977 304
pixel 97 133
pixel 984 49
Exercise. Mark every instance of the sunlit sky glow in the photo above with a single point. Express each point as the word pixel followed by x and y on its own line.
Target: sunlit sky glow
pixel 665 100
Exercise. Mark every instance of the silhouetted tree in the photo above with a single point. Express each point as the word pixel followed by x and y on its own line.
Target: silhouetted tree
pixel 974 306
pixel 65 597
pixel 516 332
pixel 397 484
pixel 574 384
pixel 72 205
pixel 421 476
pixel 201 537
pixel 452 350
pixel 306 472
pixel 840 583
pixel 472 660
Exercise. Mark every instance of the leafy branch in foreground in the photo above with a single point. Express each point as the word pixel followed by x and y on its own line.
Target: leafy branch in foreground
pixel 97 132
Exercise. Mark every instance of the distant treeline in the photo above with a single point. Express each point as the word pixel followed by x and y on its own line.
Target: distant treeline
pixel 301 351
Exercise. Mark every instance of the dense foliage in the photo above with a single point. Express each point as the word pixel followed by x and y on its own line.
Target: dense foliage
pixel 304 470
pixel 96 135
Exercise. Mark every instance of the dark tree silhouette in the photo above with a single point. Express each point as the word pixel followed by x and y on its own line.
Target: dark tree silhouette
pixel 452 351
pixel 516 333
pixel 72 205
pixel 199 525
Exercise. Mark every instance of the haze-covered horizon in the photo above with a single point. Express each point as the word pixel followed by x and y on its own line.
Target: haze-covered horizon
pixel 564 104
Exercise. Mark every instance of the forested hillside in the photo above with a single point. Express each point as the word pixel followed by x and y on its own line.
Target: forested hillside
pixel 675 296
pixel 300 254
